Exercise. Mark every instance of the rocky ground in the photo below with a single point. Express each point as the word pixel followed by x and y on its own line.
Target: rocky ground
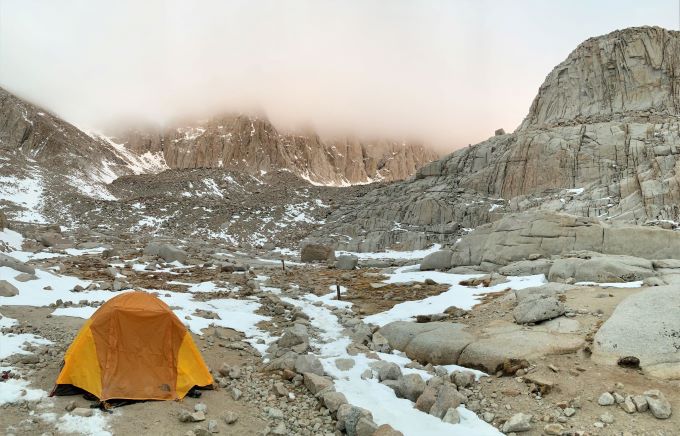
pixel 289 358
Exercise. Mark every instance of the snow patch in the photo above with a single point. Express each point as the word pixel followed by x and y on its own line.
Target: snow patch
pixel 458 295
pixel 393 254
pixel 14 390
pixel 26 193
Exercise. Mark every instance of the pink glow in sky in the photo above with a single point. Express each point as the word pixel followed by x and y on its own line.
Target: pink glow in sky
pixel 447 72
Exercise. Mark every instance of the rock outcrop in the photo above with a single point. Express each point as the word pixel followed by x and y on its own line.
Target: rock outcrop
pixel 517 237
pixel 600 140
pixel 644 326
pixel 255 145
pixel 443 343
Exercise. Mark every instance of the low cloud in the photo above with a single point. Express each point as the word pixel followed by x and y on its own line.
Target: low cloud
pixel 448 73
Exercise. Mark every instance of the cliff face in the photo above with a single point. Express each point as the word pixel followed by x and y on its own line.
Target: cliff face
pixel 628 73
pixel 256 146
pixel 601 139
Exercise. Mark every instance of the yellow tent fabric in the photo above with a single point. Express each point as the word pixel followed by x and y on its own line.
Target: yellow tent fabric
pixel 134 348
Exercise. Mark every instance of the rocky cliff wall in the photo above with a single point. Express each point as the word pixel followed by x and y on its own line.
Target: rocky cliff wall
pixel 255 145
pixel 601 140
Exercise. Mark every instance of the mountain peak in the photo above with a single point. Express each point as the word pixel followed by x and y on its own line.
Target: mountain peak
pixel 626 73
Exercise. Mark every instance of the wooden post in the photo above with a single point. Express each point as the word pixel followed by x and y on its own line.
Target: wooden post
pixel 283 265
pixel 337 290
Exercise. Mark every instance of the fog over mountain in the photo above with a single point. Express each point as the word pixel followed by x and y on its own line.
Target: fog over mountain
pixel 441 72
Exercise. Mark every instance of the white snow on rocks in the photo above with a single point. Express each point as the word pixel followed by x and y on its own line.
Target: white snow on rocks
pixel 463 297
pixel 26 193
pixel 95 425
pixel 11 239
pixel 13 343
pixel 371 395
pixel 636 284
pixel 13 390
pixel 392 254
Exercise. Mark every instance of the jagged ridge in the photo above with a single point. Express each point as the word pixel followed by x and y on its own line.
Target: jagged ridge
pixel 255 145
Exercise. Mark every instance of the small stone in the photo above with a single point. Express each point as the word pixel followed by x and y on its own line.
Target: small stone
pixel 197 417
pixel 389 371
pixel 542 385
pixel 72 405
pixel 212 426
pixel 316 383
pixel 463 378
pixel 200 407
pixel 553 429
pixel 658 404
pixel 618 398
pixel 275 413
pixel 446 397
pixel 640 402
pixel 598 424
pixel 308 363
pixel 451 416
pixel 441 371
pixel 517 423
pixel 387 430
pixel 569 411
pixel 230 417
pixel 7 289
pixel 30 359
pixel 628 406
pixel 365 426
pixel 344 364
pixel 333 400
pixel 606 399
pixel 224 369
pixel 426 400
pixel 607 418
pixel 235 393
pixel 280 390
pixel 488 416
pixel 85 412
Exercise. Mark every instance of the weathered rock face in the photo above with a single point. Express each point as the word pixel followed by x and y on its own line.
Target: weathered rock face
pixel 624 72
pixel 255 145
pixel 643 326
pixel 35 132
pixel 515 237
pixel 444 343
pixel 601 140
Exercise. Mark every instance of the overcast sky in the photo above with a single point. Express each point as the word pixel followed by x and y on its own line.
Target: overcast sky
pixel 449 72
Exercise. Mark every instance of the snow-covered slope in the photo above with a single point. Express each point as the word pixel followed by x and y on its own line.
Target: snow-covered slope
pixel 44 159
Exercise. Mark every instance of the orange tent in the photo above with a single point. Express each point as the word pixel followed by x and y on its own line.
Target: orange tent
pixel 134 348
